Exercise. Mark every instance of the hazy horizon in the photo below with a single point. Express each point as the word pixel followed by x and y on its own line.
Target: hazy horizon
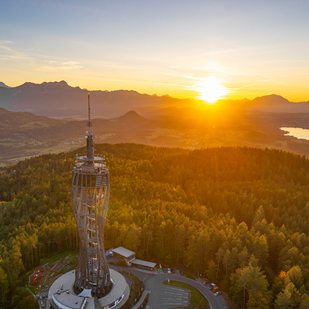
pixel 203 50
pixel 162 95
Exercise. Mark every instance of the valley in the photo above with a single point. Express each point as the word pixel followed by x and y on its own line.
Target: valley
pixel 21 137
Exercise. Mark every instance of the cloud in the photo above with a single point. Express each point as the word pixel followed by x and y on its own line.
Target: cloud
pixel 70 63
pixel 6 42
pixel 10 54
pixel 60 66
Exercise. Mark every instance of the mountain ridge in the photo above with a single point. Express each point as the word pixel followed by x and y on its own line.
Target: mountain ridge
pixel 60 100
pixel 4 85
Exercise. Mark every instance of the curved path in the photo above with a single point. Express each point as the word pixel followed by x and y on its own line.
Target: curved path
pixel 163 297
pixel 156 301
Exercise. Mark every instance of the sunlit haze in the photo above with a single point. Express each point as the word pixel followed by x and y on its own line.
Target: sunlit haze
pixel 211 90
pixel 256 47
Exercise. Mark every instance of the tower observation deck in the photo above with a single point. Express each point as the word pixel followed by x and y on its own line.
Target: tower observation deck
pixel 90 195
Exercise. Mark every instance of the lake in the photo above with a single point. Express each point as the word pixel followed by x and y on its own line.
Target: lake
pixel 297 132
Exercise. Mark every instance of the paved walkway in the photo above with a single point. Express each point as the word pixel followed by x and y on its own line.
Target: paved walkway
pixel 153 280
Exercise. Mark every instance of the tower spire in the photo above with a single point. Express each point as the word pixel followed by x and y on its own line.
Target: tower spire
pixel 89 136
pixel 89 123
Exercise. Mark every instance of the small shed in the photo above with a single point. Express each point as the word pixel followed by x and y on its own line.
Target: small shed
pixel 124 253
pixel 143 264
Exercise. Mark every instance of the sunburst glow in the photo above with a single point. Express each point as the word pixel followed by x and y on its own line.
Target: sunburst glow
pixel 211 90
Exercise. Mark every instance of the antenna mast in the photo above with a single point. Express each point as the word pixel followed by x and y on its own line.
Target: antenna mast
pixel 89 123
pixel 89 136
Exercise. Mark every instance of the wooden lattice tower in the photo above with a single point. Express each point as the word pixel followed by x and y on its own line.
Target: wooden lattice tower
pixel 90 195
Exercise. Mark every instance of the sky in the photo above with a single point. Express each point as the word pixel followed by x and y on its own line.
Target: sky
pixel 249 48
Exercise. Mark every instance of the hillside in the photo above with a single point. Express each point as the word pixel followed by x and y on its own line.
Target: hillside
pixel 224 213
pixel 24 134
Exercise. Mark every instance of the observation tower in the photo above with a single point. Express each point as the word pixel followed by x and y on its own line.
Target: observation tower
pixel 92 285
pixel 90 195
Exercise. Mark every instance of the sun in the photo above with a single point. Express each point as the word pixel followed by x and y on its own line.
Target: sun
pixel 211 90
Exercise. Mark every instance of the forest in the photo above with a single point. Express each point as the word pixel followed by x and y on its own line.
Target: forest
pixel 238 216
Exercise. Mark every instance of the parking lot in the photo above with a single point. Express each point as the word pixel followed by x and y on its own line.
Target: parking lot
pixel 165 296
pixel 159 299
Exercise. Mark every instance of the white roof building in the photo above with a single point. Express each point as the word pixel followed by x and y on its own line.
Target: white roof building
pixel 124 253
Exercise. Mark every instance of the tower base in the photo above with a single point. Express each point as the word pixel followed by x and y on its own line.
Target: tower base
pixel 61 294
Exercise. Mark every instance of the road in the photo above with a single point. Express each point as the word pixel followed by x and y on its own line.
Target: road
pixel 164 297
pixel 156 297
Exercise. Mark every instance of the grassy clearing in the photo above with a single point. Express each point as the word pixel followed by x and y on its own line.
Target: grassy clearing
pixel 72 261
pixel 197 299
pixel 59 256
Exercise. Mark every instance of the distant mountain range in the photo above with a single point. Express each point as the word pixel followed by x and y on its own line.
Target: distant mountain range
pixel 50 117
pixel 59 100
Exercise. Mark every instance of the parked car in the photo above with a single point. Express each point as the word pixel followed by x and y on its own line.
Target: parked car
pixel 181 273
pixel 164 270
pixel 109 254
pixel 215 289
pixel 173 271
pixel 211 286
pixel 168 270
pixel 205 281
pixel 218 293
